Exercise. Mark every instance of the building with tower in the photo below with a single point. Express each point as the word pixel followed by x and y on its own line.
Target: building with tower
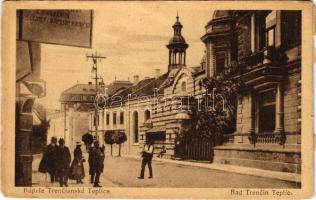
pixel 262 50
pixel 151 108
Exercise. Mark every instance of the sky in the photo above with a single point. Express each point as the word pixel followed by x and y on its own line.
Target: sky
pixel 133 39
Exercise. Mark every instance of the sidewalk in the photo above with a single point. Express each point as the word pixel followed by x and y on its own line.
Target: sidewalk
pixel 285 176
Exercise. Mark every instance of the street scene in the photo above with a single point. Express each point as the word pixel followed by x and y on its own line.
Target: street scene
pixel 168 175
pixel 180 98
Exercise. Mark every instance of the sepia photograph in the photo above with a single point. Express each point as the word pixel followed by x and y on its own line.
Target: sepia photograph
pixel 158 96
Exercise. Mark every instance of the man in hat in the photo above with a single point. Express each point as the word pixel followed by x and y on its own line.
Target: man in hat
pixel 48 162
pixel 96 163
pixel 77 169
pixel 147 154
pixel 63 162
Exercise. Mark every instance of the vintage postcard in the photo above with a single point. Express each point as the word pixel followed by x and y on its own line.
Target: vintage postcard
pixel 157 99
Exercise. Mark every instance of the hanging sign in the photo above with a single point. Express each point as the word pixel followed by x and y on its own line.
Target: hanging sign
pixel 63 27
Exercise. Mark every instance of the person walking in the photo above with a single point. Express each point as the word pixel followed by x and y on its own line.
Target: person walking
pixel 147 154
pixel 48 162
pixel 77 169
pixel 63 162
pixel 96 163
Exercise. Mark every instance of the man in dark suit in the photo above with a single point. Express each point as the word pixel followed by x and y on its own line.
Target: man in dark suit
pixel 62 163
pixel 96 163
pixel 147 154
pixel 48 162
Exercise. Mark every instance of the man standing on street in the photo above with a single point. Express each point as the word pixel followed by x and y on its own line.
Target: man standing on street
pixel 96 163
pixel 63 162
pixel 48 162
pixel 147 154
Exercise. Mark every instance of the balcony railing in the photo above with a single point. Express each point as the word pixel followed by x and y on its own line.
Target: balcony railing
pixel 261 138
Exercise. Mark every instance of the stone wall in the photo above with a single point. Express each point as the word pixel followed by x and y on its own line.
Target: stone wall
pixel 243 114
pixel 292 103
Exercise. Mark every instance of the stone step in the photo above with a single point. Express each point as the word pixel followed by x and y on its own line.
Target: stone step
pixel 260 164
pixel 276 147
pixel 280 155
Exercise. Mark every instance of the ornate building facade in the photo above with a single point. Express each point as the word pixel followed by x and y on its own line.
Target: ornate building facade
pixel 263 53
pixel 264 50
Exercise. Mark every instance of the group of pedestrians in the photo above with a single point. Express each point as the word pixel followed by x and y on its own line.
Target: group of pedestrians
pixel 56 161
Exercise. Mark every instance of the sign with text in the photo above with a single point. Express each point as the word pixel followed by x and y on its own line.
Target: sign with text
pixel 64 27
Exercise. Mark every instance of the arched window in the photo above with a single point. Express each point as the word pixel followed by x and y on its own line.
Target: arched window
pixel 184 86
pixel 135 126
pixel 146 115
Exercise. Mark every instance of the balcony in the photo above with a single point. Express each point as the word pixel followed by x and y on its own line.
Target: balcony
pixel 262 69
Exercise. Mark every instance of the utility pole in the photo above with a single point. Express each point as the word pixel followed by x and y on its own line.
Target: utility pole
pixel 95 59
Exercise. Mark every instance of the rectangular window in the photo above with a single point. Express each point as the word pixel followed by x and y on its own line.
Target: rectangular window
pixel 107 119
pixel 267 112
pixel 220 63
pixel 114 118
pixel 122 118
pixel 291 28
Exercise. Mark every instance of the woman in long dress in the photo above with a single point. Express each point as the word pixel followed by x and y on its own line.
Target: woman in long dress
pixel 77 169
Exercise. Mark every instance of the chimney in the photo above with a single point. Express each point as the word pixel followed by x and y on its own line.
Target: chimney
pixel 90 83
pixel 157 73
pixel 136 79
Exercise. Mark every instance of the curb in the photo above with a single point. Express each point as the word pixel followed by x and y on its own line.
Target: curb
pixel 285 176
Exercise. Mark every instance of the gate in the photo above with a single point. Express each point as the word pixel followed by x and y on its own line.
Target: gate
pixel 194 149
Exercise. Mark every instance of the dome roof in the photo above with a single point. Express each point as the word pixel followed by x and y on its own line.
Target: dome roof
pixel 177 39
pixel 177 23
pixel 222 14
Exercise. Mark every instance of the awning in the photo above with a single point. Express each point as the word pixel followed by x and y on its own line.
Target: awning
pixel 157 129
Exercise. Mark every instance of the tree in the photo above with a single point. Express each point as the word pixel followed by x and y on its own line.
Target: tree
pixel 87 139
pixel 215 114
pixel 109 139
pixel 119 138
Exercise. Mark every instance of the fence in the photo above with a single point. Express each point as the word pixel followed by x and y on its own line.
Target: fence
pixel 194 149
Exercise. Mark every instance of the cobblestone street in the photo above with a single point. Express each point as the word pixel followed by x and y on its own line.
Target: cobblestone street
pixel 123 172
